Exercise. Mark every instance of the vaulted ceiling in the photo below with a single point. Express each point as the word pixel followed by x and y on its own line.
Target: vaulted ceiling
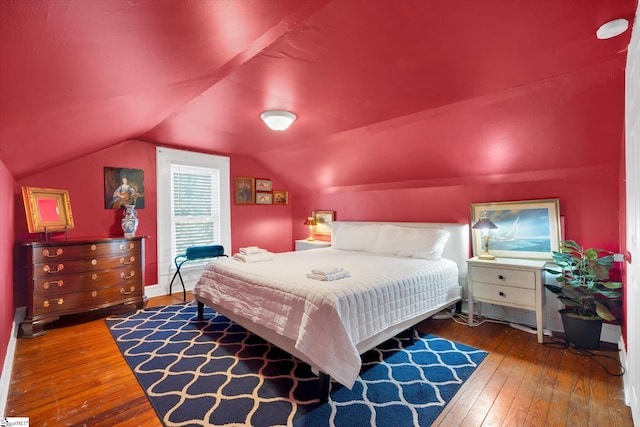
pixel 386 91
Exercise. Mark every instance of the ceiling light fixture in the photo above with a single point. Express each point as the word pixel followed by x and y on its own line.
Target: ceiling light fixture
pixel 612 28
pixel 278 119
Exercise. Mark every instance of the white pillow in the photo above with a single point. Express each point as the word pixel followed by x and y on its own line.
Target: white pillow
pixel 424 243
pixel 356 237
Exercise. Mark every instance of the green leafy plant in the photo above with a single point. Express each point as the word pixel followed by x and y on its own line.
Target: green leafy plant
pixel 584 282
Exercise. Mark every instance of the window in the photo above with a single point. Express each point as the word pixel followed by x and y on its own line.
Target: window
pixel 193 208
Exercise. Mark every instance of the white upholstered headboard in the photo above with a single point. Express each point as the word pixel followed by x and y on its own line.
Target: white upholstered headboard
pixel 457 248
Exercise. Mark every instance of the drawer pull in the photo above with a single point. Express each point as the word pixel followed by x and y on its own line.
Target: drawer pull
pixel 47 269
pixel 131 290
pixel 46 285
pixel 59 301
pixel 501 277
pixel 131 260
pixel 130 276
pixel 46 253
pixel 94 294
pixel 93 247
pixel 123 247
pixel 502 294
pixel 94 262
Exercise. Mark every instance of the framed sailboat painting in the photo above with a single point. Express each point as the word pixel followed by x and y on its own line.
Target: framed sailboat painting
pixel 526 229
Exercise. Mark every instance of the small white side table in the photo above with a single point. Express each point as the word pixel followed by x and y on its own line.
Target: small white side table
pixel 303 245
pixel 508 282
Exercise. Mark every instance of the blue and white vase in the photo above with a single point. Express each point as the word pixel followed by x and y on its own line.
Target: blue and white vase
pixel 130 221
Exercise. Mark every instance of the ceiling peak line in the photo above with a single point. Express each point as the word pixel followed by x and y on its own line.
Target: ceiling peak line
pixel 288 24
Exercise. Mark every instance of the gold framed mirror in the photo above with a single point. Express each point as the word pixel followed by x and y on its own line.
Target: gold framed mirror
pixel 48 209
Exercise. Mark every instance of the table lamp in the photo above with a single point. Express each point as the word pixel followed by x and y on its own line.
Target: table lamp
pixel 484 225
pixel 311 222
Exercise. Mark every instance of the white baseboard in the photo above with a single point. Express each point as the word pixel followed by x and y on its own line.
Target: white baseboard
pixel 7 368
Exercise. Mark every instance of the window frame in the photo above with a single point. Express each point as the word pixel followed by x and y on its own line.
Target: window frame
pixel 165 157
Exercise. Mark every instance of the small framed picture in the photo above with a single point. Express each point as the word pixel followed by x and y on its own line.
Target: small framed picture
pixel 324 219
pixel 244 190
pixel 263 184
pixel 280 197
pixel 264 198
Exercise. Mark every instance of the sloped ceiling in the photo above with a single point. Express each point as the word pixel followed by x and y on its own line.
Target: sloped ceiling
pixel 386 91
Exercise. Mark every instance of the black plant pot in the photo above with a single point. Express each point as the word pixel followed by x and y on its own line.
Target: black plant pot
pixel 582 333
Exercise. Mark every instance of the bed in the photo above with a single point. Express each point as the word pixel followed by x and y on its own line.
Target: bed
pixel 399 275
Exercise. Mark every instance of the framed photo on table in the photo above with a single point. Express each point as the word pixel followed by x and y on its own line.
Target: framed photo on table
pixel 526 229
pixel 324 219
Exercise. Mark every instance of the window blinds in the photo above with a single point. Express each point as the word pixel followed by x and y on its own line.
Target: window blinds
pixel 195 207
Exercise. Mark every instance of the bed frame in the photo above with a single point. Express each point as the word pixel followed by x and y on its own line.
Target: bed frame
pixel 457 249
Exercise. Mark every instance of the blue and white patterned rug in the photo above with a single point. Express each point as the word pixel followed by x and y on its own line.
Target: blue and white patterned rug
pixel 214 373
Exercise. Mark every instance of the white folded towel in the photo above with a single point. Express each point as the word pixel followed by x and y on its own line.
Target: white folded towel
pixel 328 277
pixel 326 270
pixel 249 250
pixel 257 257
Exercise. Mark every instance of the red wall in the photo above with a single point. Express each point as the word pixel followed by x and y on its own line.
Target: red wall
pixel 590 205
pixel 7 240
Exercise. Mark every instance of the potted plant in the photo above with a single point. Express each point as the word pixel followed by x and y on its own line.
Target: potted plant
pixel 584 286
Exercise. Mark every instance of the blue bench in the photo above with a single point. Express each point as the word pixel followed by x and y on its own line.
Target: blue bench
pixel 193 253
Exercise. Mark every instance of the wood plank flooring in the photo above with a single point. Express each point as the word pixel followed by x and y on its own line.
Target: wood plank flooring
pixel 75 376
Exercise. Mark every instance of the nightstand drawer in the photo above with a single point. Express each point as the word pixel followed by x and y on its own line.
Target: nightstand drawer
pixel 504 276
pixel 505 294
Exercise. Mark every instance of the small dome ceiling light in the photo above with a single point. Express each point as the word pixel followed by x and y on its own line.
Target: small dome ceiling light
pixel 278 119
pixel 612 28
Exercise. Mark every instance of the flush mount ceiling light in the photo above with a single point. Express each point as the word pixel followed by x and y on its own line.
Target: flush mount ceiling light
pixel 278 119
pixel 612 29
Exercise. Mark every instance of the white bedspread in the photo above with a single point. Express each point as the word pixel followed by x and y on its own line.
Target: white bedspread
pixel 328 319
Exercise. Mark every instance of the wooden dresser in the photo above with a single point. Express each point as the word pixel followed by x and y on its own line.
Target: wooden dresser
pixel 76 276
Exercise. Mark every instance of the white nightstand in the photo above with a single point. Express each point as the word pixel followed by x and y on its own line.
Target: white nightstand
pixel 508 282
pixel 303 245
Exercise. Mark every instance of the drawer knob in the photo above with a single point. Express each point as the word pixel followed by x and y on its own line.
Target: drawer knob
pixel 94 294
pixel 94 261
pixel 502 294
pixel 501 277
pixel 47 269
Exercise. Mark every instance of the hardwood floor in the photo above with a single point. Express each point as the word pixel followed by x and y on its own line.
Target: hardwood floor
pixel 75 376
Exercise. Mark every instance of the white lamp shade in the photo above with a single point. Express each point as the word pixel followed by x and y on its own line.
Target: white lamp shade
pixel 278 119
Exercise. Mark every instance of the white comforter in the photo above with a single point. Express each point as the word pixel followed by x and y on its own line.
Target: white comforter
pixel 327 320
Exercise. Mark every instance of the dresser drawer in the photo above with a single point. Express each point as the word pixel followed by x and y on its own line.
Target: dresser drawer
pixel 503 276
pixel 55 268
pixel 62 252
pixel 504 294
pixel 87 300
pixel 66 283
